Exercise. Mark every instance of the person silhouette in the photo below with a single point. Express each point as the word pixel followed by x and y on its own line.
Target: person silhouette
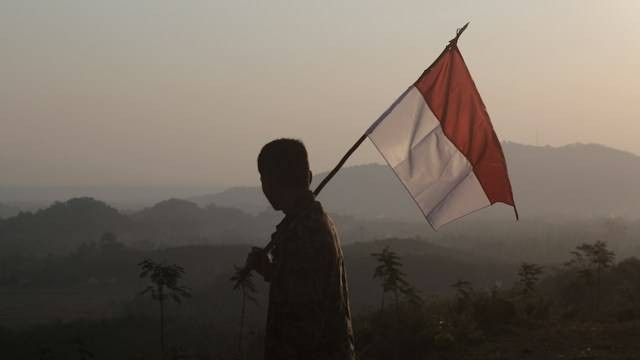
pixel 309 314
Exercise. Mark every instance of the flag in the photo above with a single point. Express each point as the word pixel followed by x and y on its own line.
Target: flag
pixel 438 139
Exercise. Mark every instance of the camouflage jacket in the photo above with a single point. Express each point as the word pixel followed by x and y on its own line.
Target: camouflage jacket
pixel 309 315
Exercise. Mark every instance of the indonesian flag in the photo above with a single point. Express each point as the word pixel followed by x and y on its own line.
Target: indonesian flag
pixel 438 139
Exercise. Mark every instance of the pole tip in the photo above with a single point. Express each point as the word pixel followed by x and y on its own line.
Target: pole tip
pixel 459 32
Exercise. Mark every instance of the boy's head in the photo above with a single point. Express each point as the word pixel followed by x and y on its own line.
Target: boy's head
pixel 284 170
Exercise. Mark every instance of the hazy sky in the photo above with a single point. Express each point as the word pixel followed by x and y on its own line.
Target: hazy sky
pixel 172 93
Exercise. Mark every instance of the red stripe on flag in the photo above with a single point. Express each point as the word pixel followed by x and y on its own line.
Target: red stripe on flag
pixel 449 91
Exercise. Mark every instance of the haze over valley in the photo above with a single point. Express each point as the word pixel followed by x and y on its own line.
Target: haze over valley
pixel 130 196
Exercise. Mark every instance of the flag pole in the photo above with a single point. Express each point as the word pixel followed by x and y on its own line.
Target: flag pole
pixel 459 32
pixel 339 166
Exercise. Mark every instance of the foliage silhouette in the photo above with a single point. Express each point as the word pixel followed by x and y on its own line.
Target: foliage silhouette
pixel 484 329
pixel 590 261
pixel 164 285
pixel 244 282
pixel 393 279
pixel 529 274
pixel 463 289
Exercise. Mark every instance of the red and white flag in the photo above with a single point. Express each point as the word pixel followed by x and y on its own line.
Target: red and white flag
pixel 438 139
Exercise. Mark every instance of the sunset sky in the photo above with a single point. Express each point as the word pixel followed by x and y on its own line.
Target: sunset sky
pixel 168 93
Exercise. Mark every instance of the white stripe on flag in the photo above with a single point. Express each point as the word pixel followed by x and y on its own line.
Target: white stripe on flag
pixel 436 174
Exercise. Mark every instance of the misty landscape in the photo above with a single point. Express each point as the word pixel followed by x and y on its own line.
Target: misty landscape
pixel 70 283
pixel 162 166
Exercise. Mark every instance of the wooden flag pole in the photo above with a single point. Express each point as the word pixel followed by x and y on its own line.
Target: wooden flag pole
pixel 459 32
pixel 339 166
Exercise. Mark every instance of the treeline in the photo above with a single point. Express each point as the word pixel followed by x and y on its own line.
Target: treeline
pixel 109 265
pixel 585 307
pixel 64 226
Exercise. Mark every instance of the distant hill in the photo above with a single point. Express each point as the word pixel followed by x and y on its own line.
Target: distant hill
pixel 60 227
pixel 129 198
pixel 180 222
pixel 579 180
pixel 177 221
pixel 559 191
pixel 247 198
pixel 569 182
pixel 7 211
pixel 65 226
pixel 364 191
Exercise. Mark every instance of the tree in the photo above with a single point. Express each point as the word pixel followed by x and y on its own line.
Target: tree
pixel 393 279
pixel 590 261
pixel 243 282
pixel 164 285
pixel 412 296
pixel 529 275
pixel 464 289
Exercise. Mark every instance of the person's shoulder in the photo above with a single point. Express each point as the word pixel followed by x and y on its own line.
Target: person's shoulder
pixel 314 221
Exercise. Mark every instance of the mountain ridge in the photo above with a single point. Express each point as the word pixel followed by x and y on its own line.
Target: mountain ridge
pixel 571 181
